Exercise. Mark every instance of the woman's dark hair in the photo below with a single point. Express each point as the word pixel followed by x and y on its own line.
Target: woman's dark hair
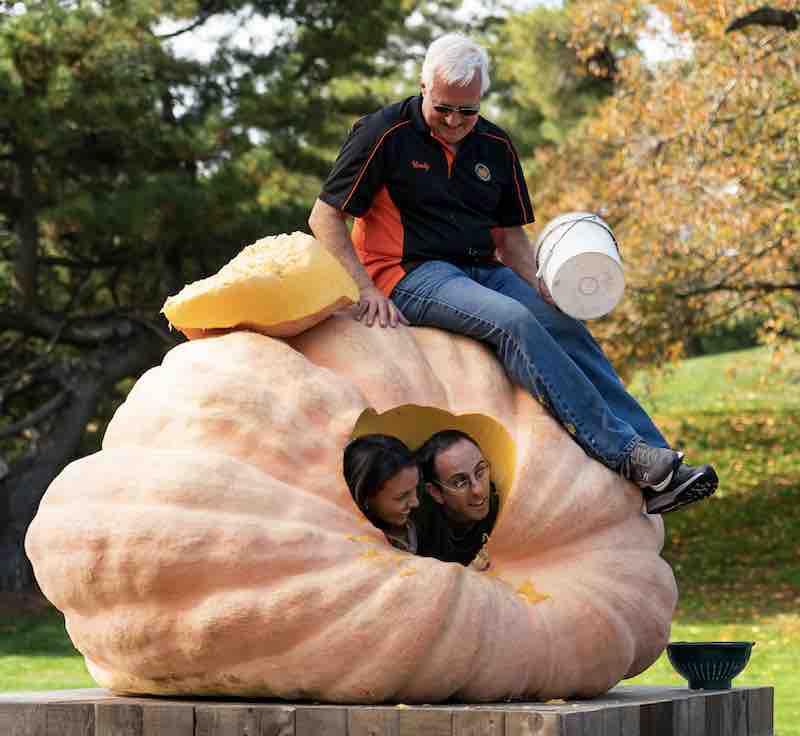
pixel 369 462
pixel 436 443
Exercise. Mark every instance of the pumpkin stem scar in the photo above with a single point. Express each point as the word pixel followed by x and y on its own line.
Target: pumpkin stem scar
pixel 360 538
pixel 530 594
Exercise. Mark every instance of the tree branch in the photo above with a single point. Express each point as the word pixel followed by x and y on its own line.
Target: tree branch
pixel 199 22
pixel 764 287
pixel 766 16
pixel 72 263
pixel 80 331
pixel 86 383
pixel 44 411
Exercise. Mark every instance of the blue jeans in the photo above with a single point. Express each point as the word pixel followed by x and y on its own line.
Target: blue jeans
pixel 543 350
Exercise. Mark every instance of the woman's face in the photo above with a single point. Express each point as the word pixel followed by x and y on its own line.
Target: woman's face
pixel 396 498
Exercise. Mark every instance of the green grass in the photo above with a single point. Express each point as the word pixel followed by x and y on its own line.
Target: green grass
pixel 734 555
pixel 36 654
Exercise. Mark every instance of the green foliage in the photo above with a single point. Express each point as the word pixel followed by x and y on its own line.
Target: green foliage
pixel 735 555
pixel 734 334
pixel 545 88
pixel 36 654
pixel 127 171
pixel 692 162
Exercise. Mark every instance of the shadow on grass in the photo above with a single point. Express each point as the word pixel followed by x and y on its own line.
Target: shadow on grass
pixel 735 557
pixel 745 431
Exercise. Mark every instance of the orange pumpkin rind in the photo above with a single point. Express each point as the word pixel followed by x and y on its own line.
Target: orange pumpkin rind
pixel 212 546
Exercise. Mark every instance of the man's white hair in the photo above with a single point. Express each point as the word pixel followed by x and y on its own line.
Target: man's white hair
pixel 455 59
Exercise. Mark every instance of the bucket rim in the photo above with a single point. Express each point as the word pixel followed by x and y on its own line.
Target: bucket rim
pixel 553 226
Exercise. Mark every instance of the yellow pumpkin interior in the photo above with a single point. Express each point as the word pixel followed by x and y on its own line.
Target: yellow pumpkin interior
pixel 277 279
pixel 414 424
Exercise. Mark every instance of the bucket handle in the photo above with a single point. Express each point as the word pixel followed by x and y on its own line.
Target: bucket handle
pixel 540 267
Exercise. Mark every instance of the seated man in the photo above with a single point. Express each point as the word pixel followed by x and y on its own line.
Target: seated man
pixel 459 507
pixel 428 181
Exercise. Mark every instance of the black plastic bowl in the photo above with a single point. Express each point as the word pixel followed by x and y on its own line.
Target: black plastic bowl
pixel 709 665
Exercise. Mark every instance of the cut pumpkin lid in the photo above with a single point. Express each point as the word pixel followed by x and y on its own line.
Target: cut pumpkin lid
pixel 277 280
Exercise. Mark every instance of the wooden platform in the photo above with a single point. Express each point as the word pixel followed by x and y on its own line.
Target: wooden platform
pixel 624 711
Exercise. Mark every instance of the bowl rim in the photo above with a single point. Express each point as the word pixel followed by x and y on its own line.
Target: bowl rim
pixel 715 644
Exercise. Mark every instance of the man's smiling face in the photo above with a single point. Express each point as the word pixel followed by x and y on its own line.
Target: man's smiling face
pixel 454 126
pixel 463 487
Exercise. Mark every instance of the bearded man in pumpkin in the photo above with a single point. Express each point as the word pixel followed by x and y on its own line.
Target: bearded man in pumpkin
pixel 438 193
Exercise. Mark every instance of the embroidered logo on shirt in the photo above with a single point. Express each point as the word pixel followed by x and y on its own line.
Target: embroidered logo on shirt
pixel 482 172
pixel 421 165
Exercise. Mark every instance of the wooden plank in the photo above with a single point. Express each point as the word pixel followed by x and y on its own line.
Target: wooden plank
pixel 213 720
pixel 735 717
pixel 472 722
pixel 716 705
pixel 629 721
pixel 112 719
pixel 697 716
pixel 425 722
pixel 760 711
pixel 622 720
pixel 143 718
pixel 242 720
pixel 656 719
pixel 680 717
pixel 62 696
pixel 320 721
pixel 167 720
pixel 373 721
pixel 19 719
pixel 73 719
pixel 585 723
pixel 628 711
pixel 530 723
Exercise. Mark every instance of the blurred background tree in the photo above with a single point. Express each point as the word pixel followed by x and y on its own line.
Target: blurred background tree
pixel 693 161
pixel 543 89
pixel 128 168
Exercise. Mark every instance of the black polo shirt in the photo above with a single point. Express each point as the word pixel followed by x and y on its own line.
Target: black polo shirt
pixel 414 201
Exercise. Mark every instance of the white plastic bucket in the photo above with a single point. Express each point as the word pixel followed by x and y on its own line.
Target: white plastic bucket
pixel 578 258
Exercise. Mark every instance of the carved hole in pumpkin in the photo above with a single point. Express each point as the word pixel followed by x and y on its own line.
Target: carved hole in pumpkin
pixel 414 424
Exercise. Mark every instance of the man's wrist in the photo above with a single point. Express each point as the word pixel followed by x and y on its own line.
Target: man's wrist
pixel 365 287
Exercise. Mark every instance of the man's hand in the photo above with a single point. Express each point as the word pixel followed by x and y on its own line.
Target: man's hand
pixel 328 225
pixel 374 303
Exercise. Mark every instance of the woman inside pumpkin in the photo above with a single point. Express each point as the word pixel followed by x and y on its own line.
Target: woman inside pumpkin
pixel 384 480
pixel 450 519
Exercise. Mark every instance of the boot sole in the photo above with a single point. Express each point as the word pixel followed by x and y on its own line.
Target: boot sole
pixel 697 487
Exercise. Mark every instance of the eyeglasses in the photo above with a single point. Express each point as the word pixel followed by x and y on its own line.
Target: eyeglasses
pixel 466 110
pixel 463 481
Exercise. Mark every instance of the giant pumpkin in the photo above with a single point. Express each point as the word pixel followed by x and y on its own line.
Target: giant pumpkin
pixel 212 547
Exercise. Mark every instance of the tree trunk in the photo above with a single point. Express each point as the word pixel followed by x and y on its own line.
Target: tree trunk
pixel 27 227
pixel 23 487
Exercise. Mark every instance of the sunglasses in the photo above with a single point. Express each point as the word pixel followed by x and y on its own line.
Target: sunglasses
pixel 466 110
